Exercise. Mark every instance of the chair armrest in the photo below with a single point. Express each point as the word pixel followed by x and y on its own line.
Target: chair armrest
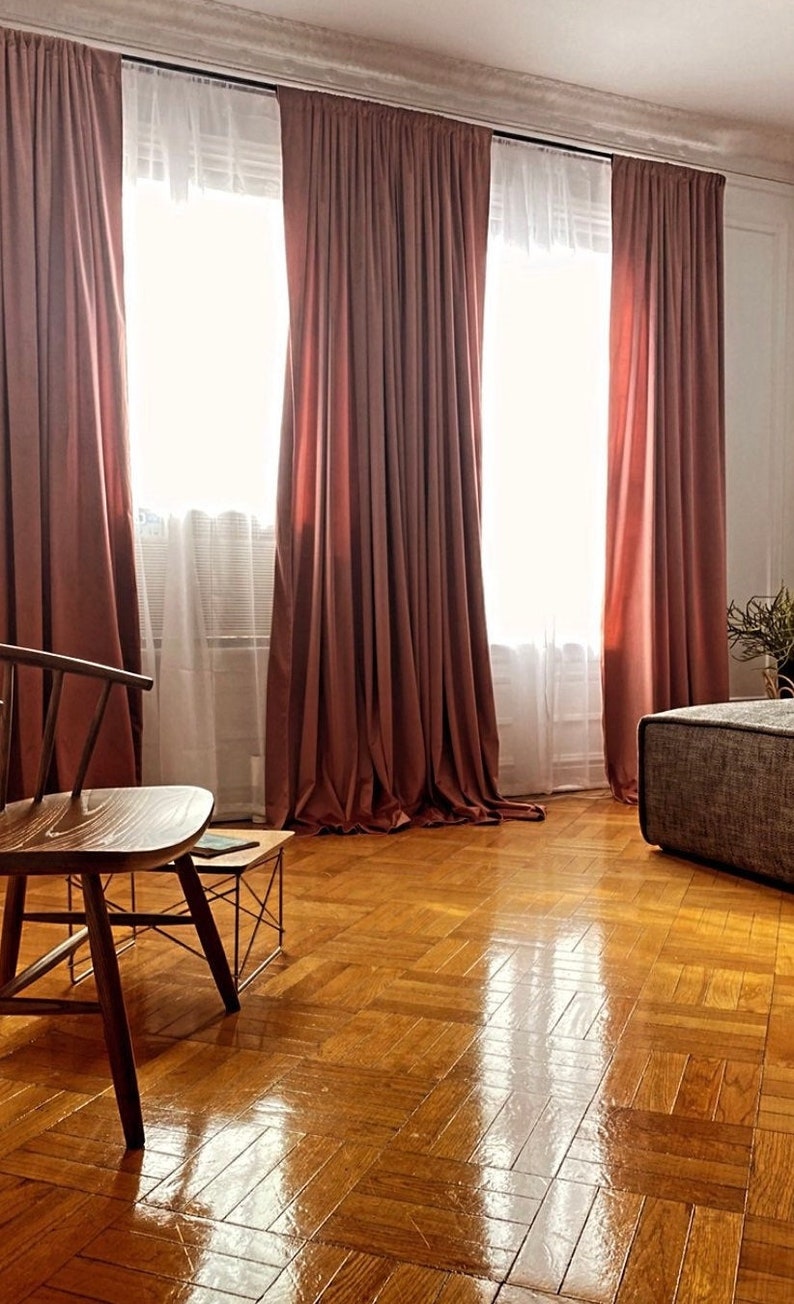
pixel 26 656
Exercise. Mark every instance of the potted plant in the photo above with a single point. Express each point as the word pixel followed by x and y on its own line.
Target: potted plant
pixel 765 627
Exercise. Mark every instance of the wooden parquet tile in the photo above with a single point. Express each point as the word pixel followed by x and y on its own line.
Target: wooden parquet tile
pixel 504 1065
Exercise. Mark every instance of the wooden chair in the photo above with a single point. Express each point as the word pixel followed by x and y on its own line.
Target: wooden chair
pixel 90 834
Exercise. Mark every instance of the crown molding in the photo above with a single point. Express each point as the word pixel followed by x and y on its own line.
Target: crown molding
pixel 225 38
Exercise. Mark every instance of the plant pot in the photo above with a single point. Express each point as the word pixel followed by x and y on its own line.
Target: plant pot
pixel 779 680
pixel 785 677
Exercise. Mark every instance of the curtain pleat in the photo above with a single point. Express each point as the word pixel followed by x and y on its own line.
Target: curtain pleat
pixel 66 539
pixel 665 601
pixel 380 701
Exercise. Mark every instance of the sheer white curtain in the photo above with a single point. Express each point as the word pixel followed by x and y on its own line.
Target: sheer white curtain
pixel 545 396
pixel 205 289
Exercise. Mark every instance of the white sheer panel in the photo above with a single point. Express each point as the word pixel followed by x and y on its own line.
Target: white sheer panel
pixel 193 132
pixel 545 395
pixel 205 288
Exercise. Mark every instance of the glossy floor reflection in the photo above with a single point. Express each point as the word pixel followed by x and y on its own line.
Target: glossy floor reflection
pixel 515 1063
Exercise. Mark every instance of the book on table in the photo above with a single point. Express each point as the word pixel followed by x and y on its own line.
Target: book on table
pixel 221 844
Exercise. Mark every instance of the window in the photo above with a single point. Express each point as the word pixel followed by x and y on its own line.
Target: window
pixel 205 290
pixel 545 399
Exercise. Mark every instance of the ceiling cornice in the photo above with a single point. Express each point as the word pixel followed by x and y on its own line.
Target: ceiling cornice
pixel 221 37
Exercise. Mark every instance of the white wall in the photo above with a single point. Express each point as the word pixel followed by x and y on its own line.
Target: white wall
pixel 759 351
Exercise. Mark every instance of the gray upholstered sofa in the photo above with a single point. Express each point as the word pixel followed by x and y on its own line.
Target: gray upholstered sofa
pixel 717 782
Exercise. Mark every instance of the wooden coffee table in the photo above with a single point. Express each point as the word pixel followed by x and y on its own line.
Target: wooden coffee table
pixel 250 880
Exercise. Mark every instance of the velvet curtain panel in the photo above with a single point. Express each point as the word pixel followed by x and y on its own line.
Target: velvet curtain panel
pixel 665 602
pixel 380 700
pixel 66 541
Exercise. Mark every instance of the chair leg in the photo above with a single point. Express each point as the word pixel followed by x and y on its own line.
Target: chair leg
pixel 114 1013
pixel 207 930
pixel 12 927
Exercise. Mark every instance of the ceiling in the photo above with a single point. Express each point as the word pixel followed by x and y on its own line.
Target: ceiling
pixel 731 58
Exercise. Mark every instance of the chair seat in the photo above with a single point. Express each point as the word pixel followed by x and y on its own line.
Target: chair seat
pixel 102 829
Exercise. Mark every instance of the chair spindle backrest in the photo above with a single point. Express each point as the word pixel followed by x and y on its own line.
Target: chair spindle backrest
pixel 58 666
pixel 91 737
pixel 6 720
pixel 48 740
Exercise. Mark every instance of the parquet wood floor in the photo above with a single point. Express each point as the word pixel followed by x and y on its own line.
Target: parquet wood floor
pixel 518 1063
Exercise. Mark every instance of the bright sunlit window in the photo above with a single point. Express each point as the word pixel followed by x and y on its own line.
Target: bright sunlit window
pixel 545 400
pixel 207 328
pixel 206 314
pixel 546 395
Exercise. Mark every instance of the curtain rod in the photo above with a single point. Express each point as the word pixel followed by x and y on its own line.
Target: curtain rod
pixel 233 79
pixel 252 83
pixel 587 151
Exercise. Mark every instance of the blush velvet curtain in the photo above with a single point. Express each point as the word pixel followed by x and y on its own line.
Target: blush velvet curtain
pixel 66 539
pixel 380 699
pixel 665 593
